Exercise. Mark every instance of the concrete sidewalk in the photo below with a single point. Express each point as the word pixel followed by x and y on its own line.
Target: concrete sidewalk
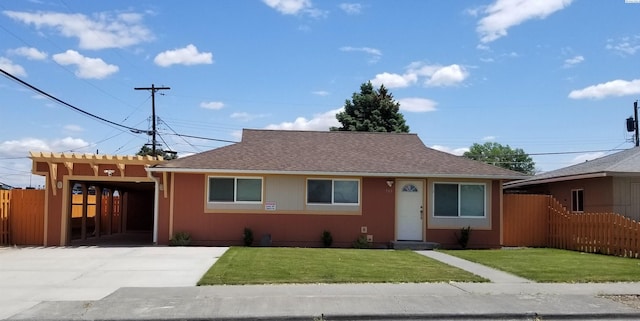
pixel 507 298
pixel 491 274
pixel 437 301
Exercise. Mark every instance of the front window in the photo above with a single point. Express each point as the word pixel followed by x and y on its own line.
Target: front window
pixel 235 189
pixel 459 200
pixel 332 191
pixel 577 200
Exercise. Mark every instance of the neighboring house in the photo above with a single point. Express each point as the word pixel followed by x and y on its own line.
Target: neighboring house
pixel 290 186
pixel 607 184
pixel 4 186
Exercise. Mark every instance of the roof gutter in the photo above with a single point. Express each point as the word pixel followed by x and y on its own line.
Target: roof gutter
pixel 310 173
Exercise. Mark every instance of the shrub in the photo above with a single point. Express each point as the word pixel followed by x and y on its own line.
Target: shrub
pixel 361 242
pixel 327 239
pixel 247 236
pixel 180 239
pixel 463 238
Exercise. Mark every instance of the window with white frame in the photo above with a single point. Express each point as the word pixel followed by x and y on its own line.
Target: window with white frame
pixel 577 200
pixel 333 191
pixel 235 190
pixel 459 199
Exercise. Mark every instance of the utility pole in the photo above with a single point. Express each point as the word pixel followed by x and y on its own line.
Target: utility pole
pixel 635 115
pixel 153 115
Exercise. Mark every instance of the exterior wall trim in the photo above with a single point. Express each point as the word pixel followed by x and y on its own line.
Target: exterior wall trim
pixel 327 173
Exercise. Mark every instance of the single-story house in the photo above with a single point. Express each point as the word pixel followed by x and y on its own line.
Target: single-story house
pixel 290 186
pixel 610 184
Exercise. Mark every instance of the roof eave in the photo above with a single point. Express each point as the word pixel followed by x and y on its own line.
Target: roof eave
pixel 554 179
pixel 330 173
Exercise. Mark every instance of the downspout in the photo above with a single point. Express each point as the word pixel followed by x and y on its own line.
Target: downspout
pixel 155 205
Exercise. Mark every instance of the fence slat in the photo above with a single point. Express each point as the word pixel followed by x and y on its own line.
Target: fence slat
pixel 5 229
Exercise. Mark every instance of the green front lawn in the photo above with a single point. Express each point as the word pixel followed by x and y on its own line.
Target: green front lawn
pixel 552 265
pixel 248 265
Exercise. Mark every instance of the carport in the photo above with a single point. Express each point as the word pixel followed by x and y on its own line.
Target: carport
pixel 96 199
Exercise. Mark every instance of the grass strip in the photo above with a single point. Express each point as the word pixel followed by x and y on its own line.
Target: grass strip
pixel 247 265
pixel 554 265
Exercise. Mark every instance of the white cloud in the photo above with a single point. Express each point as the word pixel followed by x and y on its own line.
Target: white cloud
pixel 625 46
pixel 73 128
pixel 374 54
pixel 488 138
pixel 322 121
pixel 29 53
pixel 244 116
pixel 188 55
pixel 14 69
pixel 417 105
pixel 504 14
pixel 573 61
pixel 22 147
pixel 612 88
pixel 94 68
pixel 215 105
pixel 321 93
pixel 448 76
pixel 351 8
pixel 103 30
pixel 394 80
pixel 294 7
pixel 432 75
pixel 586 157
pixel 454 151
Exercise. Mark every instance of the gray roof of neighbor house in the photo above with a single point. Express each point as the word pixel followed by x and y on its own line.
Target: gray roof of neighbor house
pixel 626 163
pixel 336 153
pixel 5 186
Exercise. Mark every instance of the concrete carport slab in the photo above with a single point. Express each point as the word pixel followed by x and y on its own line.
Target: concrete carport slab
pixel 32 275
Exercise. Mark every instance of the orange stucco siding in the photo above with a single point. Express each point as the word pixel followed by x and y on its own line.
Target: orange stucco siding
pixel 286 229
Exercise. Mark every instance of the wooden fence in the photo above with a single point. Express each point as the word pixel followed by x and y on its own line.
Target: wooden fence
pixel 540 220
pixel 525 220
pixel 22 214
pixel 5 202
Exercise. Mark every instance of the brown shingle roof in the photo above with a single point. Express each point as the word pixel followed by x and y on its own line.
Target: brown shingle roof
pixel 334 152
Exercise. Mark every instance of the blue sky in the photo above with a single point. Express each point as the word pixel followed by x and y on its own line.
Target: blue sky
pixel 556 78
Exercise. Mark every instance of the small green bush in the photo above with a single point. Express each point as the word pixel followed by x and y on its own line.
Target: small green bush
pixel 180 239
pixel 327 239
pixel 463 238
pixel 247 236
pixel 361 242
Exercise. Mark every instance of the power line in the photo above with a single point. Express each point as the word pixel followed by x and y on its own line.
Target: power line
pixel 62 102
pixel 205 138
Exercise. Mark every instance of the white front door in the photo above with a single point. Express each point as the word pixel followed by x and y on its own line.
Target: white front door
pixel 410 196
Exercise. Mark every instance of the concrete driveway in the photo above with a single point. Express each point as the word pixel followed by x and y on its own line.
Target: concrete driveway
pixel 29 276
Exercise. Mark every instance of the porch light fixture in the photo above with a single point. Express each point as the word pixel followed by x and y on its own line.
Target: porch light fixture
pixel 390 182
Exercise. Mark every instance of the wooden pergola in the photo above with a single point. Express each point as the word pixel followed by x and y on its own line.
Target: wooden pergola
pixel 108 214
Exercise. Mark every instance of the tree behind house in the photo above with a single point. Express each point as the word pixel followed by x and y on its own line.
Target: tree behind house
pixel 502 156
pixel 371 110
pixel 147 151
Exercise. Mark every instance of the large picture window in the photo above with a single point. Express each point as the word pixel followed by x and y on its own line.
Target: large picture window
pixel 577 200
pixel 235 189
pixel 333 191
pixel 459 200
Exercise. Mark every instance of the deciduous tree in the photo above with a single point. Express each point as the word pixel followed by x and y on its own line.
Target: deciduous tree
pixel 502 156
